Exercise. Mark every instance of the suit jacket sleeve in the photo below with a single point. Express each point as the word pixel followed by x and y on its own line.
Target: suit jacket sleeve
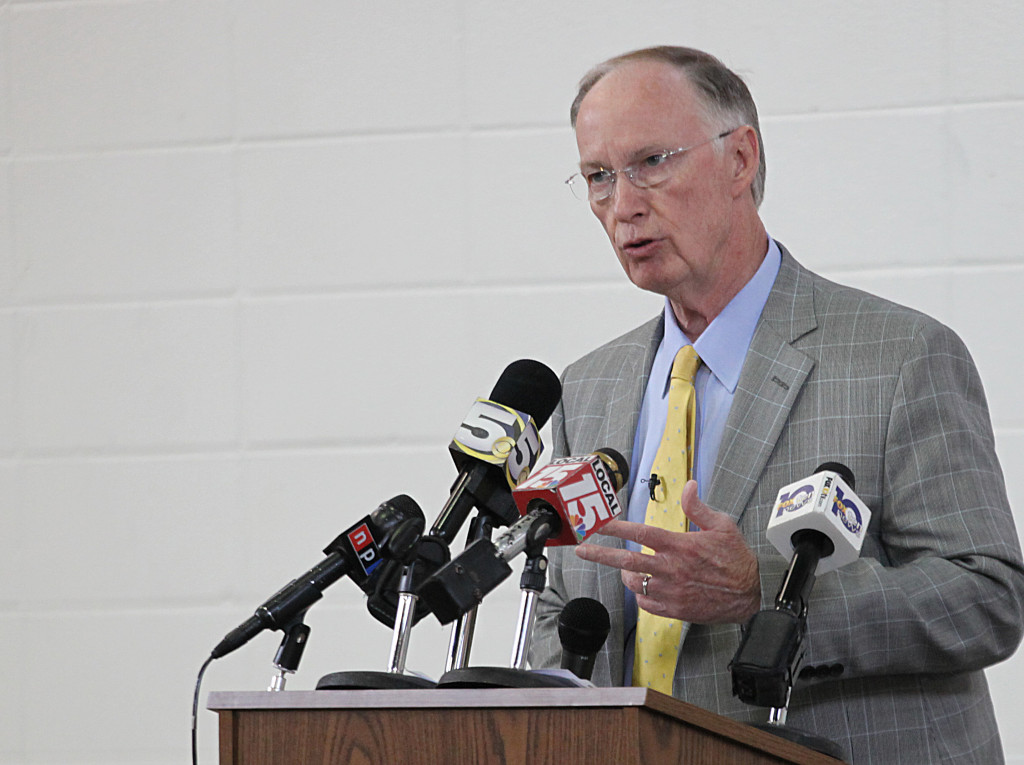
pixel 940 585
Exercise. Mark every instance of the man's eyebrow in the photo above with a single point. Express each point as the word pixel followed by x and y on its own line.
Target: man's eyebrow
pixel 634 156
pixel 647 151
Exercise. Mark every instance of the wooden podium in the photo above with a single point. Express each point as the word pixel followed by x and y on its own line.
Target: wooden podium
pixel 619 726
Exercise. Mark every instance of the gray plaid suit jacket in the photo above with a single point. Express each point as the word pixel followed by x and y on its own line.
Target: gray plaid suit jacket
pixel 837 374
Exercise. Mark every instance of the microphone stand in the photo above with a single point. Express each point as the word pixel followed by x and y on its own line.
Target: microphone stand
pixel 289 653
pixel 771 649
pixel 531 584
pixel 461 640
pixel 403 621
pixel 414 553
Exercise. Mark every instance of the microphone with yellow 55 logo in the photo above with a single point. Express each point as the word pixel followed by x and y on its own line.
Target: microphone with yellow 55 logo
pixel 494 448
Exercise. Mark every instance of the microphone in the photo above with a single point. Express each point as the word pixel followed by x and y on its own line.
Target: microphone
pixel 495 447
pixel 497 444
pixel 820 524
pixel 389 531
pixel 564 503
pixel 579 490
pixel 583 627
pixel 821 512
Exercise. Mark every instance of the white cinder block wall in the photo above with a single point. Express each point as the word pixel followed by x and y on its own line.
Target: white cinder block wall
pixel 257 259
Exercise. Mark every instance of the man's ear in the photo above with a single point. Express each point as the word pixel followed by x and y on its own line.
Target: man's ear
pixel 745 155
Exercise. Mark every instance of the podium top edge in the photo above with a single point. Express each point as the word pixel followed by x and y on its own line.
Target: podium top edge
pixel 452 698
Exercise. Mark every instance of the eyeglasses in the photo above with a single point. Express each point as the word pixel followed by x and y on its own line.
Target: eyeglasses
pixel 653 169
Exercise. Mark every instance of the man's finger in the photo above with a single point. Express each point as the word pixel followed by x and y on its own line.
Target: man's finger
pixel 626 560
pixel 697 512
pixel 645 536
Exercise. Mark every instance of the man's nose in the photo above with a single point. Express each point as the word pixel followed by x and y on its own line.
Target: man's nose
pixel 627 199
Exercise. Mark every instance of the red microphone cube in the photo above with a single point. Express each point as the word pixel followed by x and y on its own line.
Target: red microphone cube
pixel 581 491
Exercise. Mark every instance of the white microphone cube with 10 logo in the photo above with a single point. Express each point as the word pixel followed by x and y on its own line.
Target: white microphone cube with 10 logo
pixel 826 503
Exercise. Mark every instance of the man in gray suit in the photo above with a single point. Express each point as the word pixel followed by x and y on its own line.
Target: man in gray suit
pixel 796 371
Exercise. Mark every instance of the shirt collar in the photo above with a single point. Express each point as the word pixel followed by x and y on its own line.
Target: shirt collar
pixel 723 345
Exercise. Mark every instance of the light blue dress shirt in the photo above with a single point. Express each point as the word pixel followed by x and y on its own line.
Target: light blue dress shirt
pixel 722 348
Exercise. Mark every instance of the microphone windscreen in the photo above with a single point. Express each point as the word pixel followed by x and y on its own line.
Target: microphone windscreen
pixel 529 386
pixel 406 507
pixel 583 626
pixel 617 464
pixel 838 467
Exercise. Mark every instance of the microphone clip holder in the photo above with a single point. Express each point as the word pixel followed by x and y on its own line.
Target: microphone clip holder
pixel 462 584
pixel 289 653
pixel 460 642
pixel 771 649
pixel 515 676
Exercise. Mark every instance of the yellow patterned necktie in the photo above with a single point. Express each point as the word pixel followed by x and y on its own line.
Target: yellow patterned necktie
pixel 658 638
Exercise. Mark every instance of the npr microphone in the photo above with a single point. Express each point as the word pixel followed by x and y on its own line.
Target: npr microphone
pixel 563 503
pixel 583 626
pixel 820 524
pixel 357 552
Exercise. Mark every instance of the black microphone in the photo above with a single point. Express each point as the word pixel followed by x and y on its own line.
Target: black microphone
pixel 496 445
pixel 583 627
pixel 389 531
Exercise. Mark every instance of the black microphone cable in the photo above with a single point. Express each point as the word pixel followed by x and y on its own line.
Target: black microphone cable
pixel 195 707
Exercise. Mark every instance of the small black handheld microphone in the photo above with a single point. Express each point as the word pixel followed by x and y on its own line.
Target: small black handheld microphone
pixel 583 627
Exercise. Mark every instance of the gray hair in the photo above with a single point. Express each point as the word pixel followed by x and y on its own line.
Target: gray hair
pixel 725 100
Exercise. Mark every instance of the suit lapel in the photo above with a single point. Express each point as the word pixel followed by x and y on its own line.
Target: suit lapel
pixel 632 376
pixel 618 431
pixel 773 374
